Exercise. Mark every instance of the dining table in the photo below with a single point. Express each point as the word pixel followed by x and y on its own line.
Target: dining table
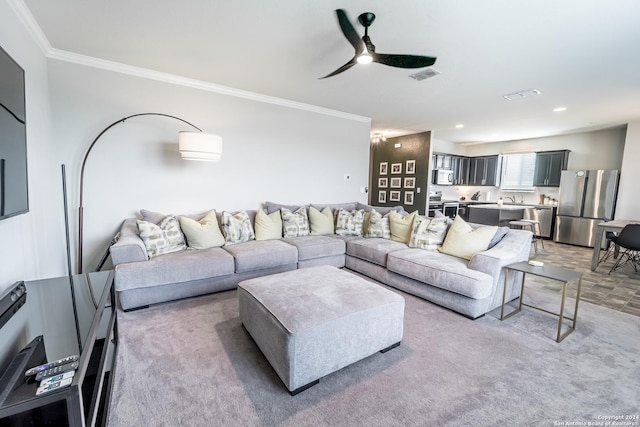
pixel 615 226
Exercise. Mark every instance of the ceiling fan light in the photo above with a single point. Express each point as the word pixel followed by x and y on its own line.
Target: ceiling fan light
pixel 364 58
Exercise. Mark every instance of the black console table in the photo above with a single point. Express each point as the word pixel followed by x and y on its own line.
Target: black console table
pixel 67 315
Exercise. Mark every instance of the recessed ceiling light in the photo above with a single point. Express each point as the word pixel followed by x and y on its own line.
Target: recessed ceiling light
pixel 459 126
pixel 559 109
pixel 521 94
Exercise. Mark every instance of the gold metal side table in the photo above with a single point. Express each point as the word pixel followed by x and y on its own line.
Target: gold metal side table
pixel 550 272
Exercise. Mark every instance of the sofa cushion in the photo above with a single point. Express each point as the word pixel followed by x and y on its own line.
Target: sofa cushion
pixel 268 226
pixel 262 254
pixel 464 242
pixel 321 221
pixel 203 234
pixel 311 247
pixel 349 223
pixel 273 207
pixel 176 267
pixel 442 271
pixel 237 228
pixel 381 209
pixel 295 223
pixel 335 206
pixel 163 238
pixel 374 250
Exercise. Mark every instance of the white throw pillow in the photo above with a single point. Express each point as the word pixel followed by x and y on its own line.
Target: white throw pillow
pixel 321 222
pixel 268 226
pixel 203 234
pixel 376 225
pixel 350 223
pixel 462 241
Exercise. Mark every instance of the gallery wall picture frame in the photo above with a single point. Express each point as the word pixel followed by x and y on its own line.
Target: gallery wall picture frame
pixel 382 196
pixel 384 167
pixel 394 196
pixel 410 167
pixel 383 182
pixel 408 198
pixel 396 182
pixel 409 182
pixel 396 168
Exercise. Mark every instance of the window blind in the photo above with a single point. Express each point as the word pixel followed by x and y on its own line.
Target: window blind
pixel 517 171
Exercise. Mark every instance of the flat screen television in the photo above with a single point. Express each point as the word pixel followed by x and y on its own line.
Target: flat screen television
pixel 14 197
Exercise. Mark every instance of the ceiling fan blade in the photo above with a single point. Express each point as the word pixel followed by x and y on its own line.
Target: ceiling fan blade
pixel 345 67
pixel 403 61
pixel 349 32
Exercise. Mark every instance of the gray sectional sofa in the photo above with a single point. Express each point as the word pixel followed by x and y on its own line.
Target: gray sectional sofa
pixel 471 288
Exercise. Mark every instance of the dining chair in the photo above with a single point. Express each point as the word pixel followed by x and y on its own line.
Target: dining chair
pixel 629 241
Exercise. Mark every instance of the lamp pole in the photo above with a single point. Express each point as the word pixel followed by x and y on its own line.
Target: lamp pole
pixel 84 162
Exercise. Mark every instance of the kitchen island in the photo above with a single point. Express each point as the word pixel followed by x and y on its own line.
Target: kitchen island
pixel 495 214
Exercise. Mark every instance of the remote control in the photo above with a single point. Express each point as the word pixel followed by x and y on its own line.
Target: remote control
pixel 57 370
pixel 55 378
pixel 50 365
pixel 53 386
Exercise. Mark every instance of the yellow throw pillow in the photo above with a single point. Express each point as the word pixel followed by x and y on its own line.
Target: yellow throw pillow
pixel 321 222
pixel 462 241
pixel 401 226
pixel 268 226
pixel 202 234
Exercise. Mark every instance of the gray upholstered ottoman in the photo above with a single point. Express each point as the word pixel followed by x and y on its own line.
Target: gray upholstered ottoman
pixel 313 321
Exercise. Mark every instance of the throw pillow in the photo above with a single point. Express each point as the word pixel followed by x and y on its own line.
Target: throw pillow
pixel 268 226
pixel 349 223
pixel 203 234
pixel 162 238
pixel 462 241
pixel 500 233
pixel 401 225
pixel 376 225
pixel 237 228
pixel 321 222
pixel 428 233
pixel 295 224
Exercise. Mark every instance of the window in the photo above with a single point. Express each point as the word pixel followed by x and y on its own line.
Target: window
pixel 517 171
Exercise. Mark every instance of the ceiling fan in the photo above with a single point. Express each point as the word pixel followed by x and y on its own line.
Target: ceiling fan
pixel 366 51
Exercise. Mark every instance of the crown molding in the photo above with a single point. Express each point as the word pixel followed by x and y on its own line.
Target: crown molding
pixel 38 35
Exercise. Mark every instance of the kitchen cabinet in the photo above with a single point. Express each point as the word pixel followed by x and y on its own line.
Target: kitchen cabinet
pixel 460 166
pixel 442 161
pixel 549 165
pixel 484 171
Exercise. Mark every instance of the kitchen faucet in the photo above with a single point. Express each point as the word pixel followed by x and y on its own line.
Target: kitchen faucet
pixel 512 198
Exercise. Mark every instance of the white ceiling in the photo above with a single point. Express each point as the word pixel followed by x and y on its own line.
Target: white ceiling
pixel 581 54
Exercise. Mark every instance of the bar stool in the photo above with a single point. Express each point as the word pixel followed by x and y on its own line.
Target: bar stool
pixel 526 224
pixel 536 223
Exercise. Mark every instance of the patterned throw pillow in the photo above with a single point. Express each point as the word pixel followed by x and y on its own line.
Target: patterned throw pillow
pixel 376 225
pixel 350 223
pixel 295 224
pixel 237 228
pixel 428 233
pixel 203 234
pixel 163 238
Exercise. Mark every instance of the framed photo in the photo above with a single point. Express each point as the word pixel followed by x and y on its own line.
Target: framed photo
pixel 396 168
pixel 394 196
pixel 384 166
pixel 410 167
pixel 383 182
pixel 409 182
pixel 396 182
pixel 408 198
pixel 382 197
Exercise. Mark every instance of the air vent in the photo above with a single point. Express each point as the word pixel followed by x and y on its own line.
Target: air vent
pixel 522 94
pixel 424 74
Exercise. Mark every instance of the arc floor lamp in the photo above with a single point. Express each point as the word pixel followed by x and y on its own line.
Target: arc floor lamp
pixel 192 145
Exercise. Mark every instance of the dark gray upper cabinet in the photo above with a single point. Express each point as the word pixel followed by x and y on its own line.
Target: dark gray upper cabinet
pixel 483 171
pixel 460 167
pixel 549 165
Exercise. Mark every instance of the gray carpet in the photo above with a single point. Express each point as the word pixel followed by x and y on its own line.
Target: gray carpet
pixel 191 363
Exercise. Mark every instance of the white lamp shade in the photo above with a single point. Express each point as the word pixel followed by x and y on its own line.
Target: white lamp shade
pixel 199 146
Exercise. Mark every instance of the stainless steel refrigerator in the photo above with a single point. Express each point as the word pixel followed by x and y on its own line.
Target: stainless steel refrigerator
pixel 586 198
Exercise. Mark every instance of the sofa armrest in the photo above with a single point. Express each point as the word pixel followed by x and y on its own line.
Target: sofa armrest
pixel 515 246
pixel 129 247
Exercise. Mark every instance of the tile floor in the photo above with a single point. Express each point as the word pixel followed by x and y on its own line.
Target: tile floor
pixel 619 291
